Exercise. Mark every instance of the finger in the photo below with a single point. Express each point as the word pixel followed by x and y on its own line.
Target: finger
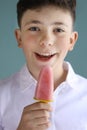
pixel 38 106
pixel 44 126
pixel 39 113
pixel 41 121
pixel 39 124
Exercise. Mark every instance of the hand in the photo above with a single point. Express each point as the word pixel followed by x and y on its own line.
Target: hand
pixel 35 117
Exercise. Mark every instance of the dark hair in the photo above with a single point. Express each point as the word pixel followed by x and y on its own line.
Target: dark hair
pixel 24 5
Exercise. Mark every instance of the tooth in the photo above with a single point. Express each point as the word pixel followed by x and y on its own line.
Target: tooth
pixel 47 54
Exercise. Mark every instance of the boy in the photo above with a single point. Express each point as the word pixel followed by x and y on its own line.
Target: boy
pixel 46 35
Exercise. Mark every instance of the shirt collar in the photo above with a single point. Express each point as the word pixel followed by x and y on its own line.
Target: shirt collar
pixel 71 75
pixel 26 79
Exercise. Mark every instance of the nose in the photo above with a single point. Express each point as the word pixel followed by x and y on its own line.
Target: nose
pixel 47 39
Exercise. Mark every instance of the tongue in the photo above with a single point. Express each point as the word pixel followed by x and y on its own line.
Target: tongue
pixel 44 57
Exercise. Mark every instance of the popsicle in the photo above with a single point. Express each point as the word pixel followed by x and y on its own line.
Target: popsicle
pixel 45 85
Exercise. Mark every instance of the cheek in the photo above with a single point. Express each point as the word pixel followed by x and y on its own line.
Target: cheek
pixel 28 43
pixel 63 45
pixel 29 39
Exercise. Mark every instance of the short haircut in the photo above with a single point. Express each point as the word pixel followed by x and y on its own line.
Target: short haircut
pixel 24 5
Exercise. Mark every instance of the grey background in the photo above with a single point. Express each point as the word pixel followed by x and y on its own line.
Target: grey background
pixel 12 58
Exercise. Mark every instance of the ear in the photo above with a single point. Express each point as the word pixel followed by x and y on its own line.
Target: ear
pixel 18 37
pixel 73 40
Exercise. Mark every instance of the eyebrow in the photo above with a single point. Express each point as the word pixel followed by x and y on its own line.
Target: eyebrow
pixel 59 23
pixel 33 22
pixel 39 22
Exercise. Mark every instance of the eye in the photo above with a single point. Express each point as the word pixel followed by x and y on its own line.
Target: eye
pixel 58 30
pixel 34 29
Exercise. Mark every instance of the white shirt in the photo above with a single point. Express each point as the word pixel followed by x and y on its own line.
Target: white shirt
pixel 69 105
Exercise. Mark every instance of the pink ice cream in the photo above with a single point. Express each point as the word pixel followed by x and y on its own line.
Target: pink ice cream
pixel 45 85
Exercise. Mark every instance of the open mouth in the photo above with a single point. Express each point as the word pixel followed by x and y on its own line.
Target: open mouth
pixel 44 57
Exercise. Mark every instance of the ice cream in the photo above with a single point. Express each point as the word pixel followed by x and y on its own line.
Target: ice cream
pixel 45 85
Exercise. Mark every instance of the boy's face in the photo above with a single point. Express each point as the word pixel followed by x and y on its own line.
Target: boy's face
pixel 46 36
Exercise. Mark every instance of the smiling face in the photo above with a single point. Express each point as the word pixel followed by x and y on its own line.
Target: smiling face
pixel 46 36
